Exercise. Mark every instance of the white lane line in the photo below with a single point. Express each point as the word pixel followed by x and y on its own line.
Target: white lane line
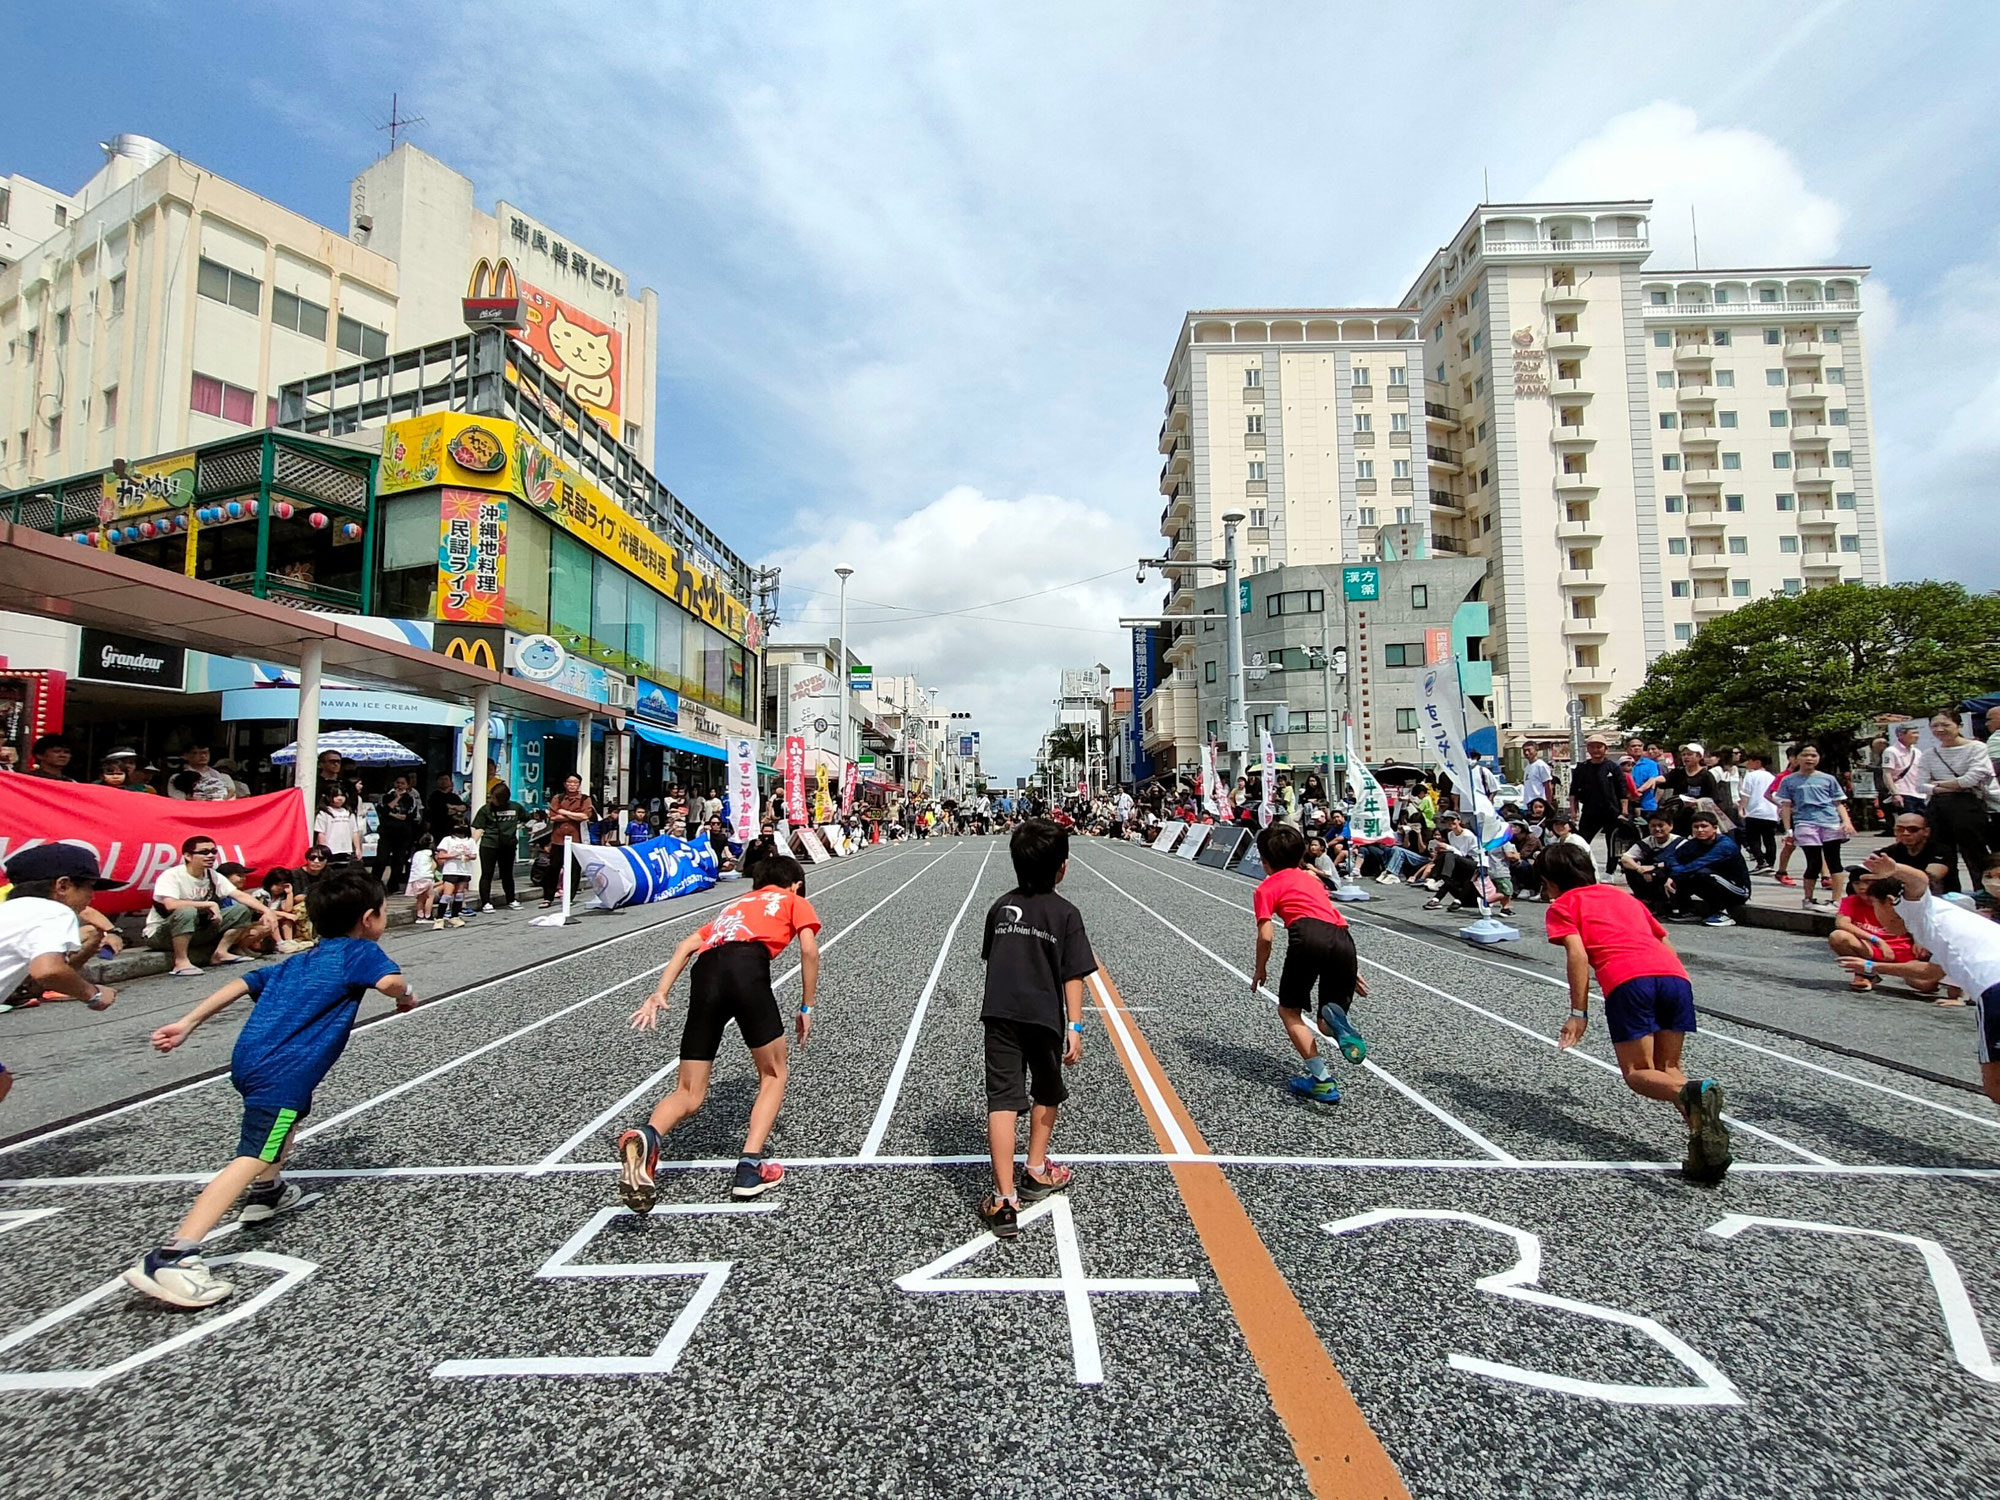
pixel 1165 1116
pixel 1802 1152
pixel 1430 1107
pixel 462 1059
pixel 394 1016
pixel 972 1159
pixel 894 1089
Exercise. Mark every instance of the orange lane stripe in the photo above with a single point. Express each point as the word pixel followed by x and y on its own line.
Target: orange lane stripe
pixel 1342 1457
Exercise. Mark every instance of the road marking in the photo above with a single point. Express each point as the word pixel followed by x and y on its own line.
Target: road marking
pixel 1802 1152
pixel 1430 1107
pixel 1342 1457
pixel 894 1089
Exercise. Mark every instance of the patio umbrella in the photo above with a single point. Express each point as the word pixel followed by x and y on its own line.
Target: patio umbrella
pixel 361 746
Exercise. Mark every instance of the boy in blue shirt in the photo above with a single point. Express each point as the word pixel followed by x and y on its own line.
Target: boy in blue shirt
pixel 305 1009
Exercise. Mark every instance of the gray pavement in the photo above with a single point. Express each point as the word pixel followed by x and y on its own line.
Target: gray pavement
pixel 1522 1295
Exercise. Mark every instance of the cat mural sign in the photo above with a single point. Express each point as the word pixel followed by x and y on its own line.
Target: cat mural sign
pixel 585 356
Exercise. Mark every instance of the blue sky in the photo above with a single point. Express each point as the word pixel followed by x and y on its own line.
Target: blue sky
pixel 921 266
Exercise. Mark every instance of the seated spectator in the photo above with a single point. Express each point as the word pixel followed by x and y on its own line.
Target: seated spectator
pixel 1318 863
pixel 1921 849
pixel 287 904
pixel 1643 863
pixel 1708 879
pixel 1872 943
pixel 188 918
pixel 1562 830
pixel 43 943
pixel 1455 864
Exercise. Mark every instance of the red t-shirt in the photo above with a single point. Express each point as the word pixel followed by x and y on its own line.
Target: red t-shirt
pixel 1620 935
pixel 1292 894
pixel 770 915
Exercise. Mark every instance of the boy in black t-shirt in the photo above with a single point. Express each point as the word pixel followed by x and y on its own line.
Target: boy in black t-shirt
pixel 1037 957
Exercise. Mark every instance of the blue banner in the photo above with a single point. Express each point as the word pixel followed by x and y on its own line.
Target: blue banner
pixel 1145 645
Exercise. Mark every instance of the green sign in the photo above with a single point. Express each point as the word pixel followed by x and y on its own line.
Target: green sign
pixel 1243 596
pixel 866 762
pixel 860 679
pixel 1319 759
pixel 1361 584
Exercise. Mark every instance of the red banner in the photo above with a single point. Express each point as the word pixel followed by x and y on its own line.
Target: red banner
pixel 136 836
pixel 847 780
pixel 795 781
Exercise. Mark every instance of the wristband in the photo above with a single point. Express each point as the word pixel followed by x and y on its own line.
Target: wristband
pixel 1868 966
pixel 805 1010
pixel 1581 1015
pixel 1077 1027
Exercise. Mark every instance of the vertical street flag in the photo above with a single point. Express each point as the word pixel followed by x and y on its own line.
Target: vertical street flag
pixel 847 778
pixel 1210 796
pixel 1442 727
pixel 743 787
pixel 795 780
pixel 1269 808
pixel 1368 818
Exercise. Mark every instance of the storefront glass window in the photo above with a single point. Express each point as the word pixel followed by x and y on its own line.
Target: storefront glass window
pixel 409 527
pixel 527 570
pixel 569 590
pixel 734 702
pixel 608 613
pixel 714 668
pixel 668 623
pixel 642 607
pixel 694 640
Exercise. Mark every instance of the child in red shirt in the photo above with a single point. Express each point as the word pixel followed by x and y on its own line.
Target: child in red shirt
pixel 732 982
pixel 1319 950
pixel 1648 1001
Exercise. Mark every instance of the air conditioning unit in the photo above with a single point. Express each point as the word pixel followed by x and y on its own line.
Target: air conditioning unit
pixel 620 691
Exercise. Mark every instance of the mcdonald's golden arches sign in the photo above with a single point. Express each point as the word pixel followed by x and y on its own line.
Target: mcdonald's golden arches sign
pixel 493 296
pixel 475 645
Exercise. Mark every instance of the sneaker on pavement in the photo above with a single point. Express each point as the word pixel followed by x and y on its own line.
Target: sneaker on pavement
pixel 1684 916
pixel 638 1157
pixel 1033 1189
pixel 754 1178
pixel 513 906
pixel 1001 1217
pixel 1434 903
pixel 1708 1141
pixel 265 1204
pixel 1334 1024
pixel 487 907
pixel 1720 919
pixel 1787 879
pixel 178 1280
pixel 1325 1090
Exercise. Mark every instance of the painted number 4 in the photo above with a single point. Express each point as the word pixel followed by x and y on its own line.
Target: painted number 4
pixel 1076 1288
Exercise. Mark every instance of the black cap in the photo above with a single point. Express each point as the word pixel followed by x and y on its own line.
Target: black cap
pixel 232 869
pixel 57 861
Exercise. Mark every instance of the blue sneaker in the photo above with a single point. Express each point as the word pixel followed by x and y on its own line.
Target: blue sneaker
pixel 1325 1090
pixel 1333 1022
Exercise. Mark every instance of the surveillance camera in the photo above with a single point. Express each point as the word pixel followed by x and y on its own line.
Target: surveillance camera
pixel 1140 576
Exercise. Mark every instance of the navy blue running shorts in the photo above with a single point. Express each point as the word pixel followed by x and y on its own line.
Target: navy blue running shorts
pixel 268 1122
pixel 1655 1002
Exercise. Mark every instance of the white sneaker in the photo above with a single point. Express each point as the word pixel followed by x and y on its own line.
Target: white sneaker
pixel 487 907
pixel 1385 878
pixel 186 1282
pixel 436 923
pixel 255 1211
pixel 511 906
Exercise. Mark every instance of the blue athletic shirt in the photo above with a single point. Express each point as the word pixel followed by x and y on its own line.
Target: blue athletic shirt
pixel 305 1009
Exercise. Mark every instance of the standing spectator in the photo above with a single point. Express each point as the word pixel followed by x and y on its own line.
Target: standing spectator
pixel 115 775
pixel 1537 775
pixel 1993 786
pixel 400 819
pixel 1691 787
pixel 210 785
pixel 570 813
pixel 10 759
pixel 1902 771
pixel 1727 766
pixel 189 919
pixel 444 809
pixel 332 773
pixel 1813 809
pixel 337 826
pixel 1599 796
pixel 51 756
pixel 1960 774
pixel 499 824
pixel 1645 772
pixel 1758 812
pixel 127 764
pixel 1706 879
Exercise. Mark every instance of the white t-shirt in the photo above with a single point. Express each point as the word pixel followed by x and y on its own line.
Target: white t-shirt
pixel 30 927
pixel 1967 945
pixel 1757 801
pixel 423 867
pixel 335 828
pixel 177 884
pixel 460 857
pixel 1535 781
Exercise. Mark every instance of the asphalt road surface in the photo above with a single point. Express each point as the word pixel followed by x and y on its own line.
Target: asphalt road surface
pixel 1479 1274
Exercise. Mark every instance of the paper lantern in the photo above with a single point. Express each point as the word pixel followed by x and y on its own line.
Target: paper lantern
pixel 319 520
pixel 82 539
pixel 283 510
pixel 235 511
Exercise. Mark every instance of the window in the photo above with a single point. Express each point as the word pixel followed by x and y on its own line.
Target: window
pixel 1358 375
pixel 1794 586
pixel 634 437
pixel 1364 421
pixel 1721 335
pixel 289 310
pixel 1773 336
pixel 218 398
pixel 1256 473
pixel 1399 421
pixel 1211 730
pixel 1670 461
pixel 1732 502
pixel 1739 588
pixel 1788 544
pixel 1678 588
pixel 55 434
pixel 1208 671
pixel 117 295
pixel 1725 379
pixel 358 338
pixel 220 284
pixel 1829 335
pixel 1399 375
pixel 1406 721
pixel 1258 516
pixel 1664 380
pixel 62 215
pixel 1668 421
pixel 1400 468
pixel 1479 385
pixel 1440 369
pixel 1258 562
pixel 1837 416
pixel 1478 342
pixel 1774 377
pixel 1367 515
pixel 1781 460
pixel 1850 543
pixel 6 204
pixel 1420 596
pixel 1842 459
pixel 1673 505
pixel 1484 476
pixel 1844 500
pixel 1254 376
pixel 1683 631
pixel 1732 460
pixel 1364 468
pixel 62 328
pixel 1659 298
pixel 1403 656
pixel 110 405
pixel 1836 376
pixel 1788 502
pixel 1739 546
pixel 1253 423
pixel 1781 419
pixel 1767 294
pixel 1726 418
pixel 1485 523
pixel 1479 433
pixel 1663 338
pixel 1677 546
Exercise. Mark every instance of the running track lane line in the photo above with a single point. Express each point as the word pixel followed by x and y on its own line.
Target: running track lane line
pixel 555 1015
pixel 887 1109
pixel 1803 1153
pixel 1342 1457
pixel 1428 1106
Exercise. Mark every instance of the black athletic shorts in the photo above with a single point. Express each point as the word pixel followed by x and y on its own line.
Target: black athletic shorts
pixel 732 982
pixel 1017 1051
pixel 1317 953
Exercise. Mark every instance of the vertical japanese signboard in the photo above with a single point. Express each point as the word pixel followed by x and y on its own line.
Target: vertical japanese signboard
pixel 472 556
pixel 743 786
pixel 795 780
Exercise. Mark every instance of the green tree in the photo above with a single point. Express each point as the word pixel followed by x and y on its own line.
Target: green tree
pixel 1821 665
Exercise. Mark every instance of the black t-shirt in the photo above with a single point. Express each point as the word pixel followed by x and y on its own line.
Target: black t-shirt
pixel 1034 945
pixel 1679 784
pixel 1598 784
pixel 1933 853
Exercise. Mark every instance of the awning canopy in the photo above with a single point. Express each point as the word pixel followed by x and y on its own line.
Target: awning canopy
pixel 672 741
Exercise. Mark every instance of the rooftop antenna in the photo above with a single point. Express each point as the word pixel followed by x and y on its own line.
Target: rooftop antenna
pixel 398 122
pixel 1485 185
pixel 1695 230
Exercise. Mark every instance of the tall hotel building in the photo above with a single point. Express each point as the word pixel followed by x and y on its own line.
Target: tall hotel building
pixel 1632 451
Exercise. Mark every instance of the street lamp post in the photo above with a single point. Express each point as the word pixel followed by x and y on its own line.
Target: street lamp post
pixel 843 574
pixel 1239 730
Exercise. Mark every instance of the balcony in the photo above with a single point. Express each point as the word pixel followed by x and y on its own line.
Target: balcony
pixel 1562 299
pixel 1576 486
pixel 1584 533
pixel 1581 580
pixel 1438 412
pixel 1182 652
pixel 1805 390
pixel 1707 606
pixel 1819 518
pixel 1801 350
pixel 1707 480
pixel 1577 389
pixel 1708 564
pixel 1570 247
pixel 1700 439
pixel 1811 432
pixel 1568 343
pixel 1179 511
pixel 1820 562
pixel 1177 413
pixel 1446 500
pixel 1812 474
pixel 1574 436
pixel 1697 397
pixel 1588 679
pixel 1693 352
pixel 1705 521
pixel 1592 629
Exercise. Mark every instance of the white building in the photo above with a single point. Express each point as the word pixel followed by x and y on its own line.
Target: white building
pixel 162 306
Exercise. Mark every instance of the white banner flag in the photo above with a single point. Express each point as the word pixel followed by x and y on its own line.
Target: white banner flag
pixel 1269 756
pixel 1441 725
pixel 1368 818
pixel 743 788
pixel 1211 796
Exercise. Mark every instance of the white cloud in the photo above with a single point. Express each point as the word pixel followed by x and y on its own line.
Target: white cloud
pixel 1749 197
pixel 968 549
